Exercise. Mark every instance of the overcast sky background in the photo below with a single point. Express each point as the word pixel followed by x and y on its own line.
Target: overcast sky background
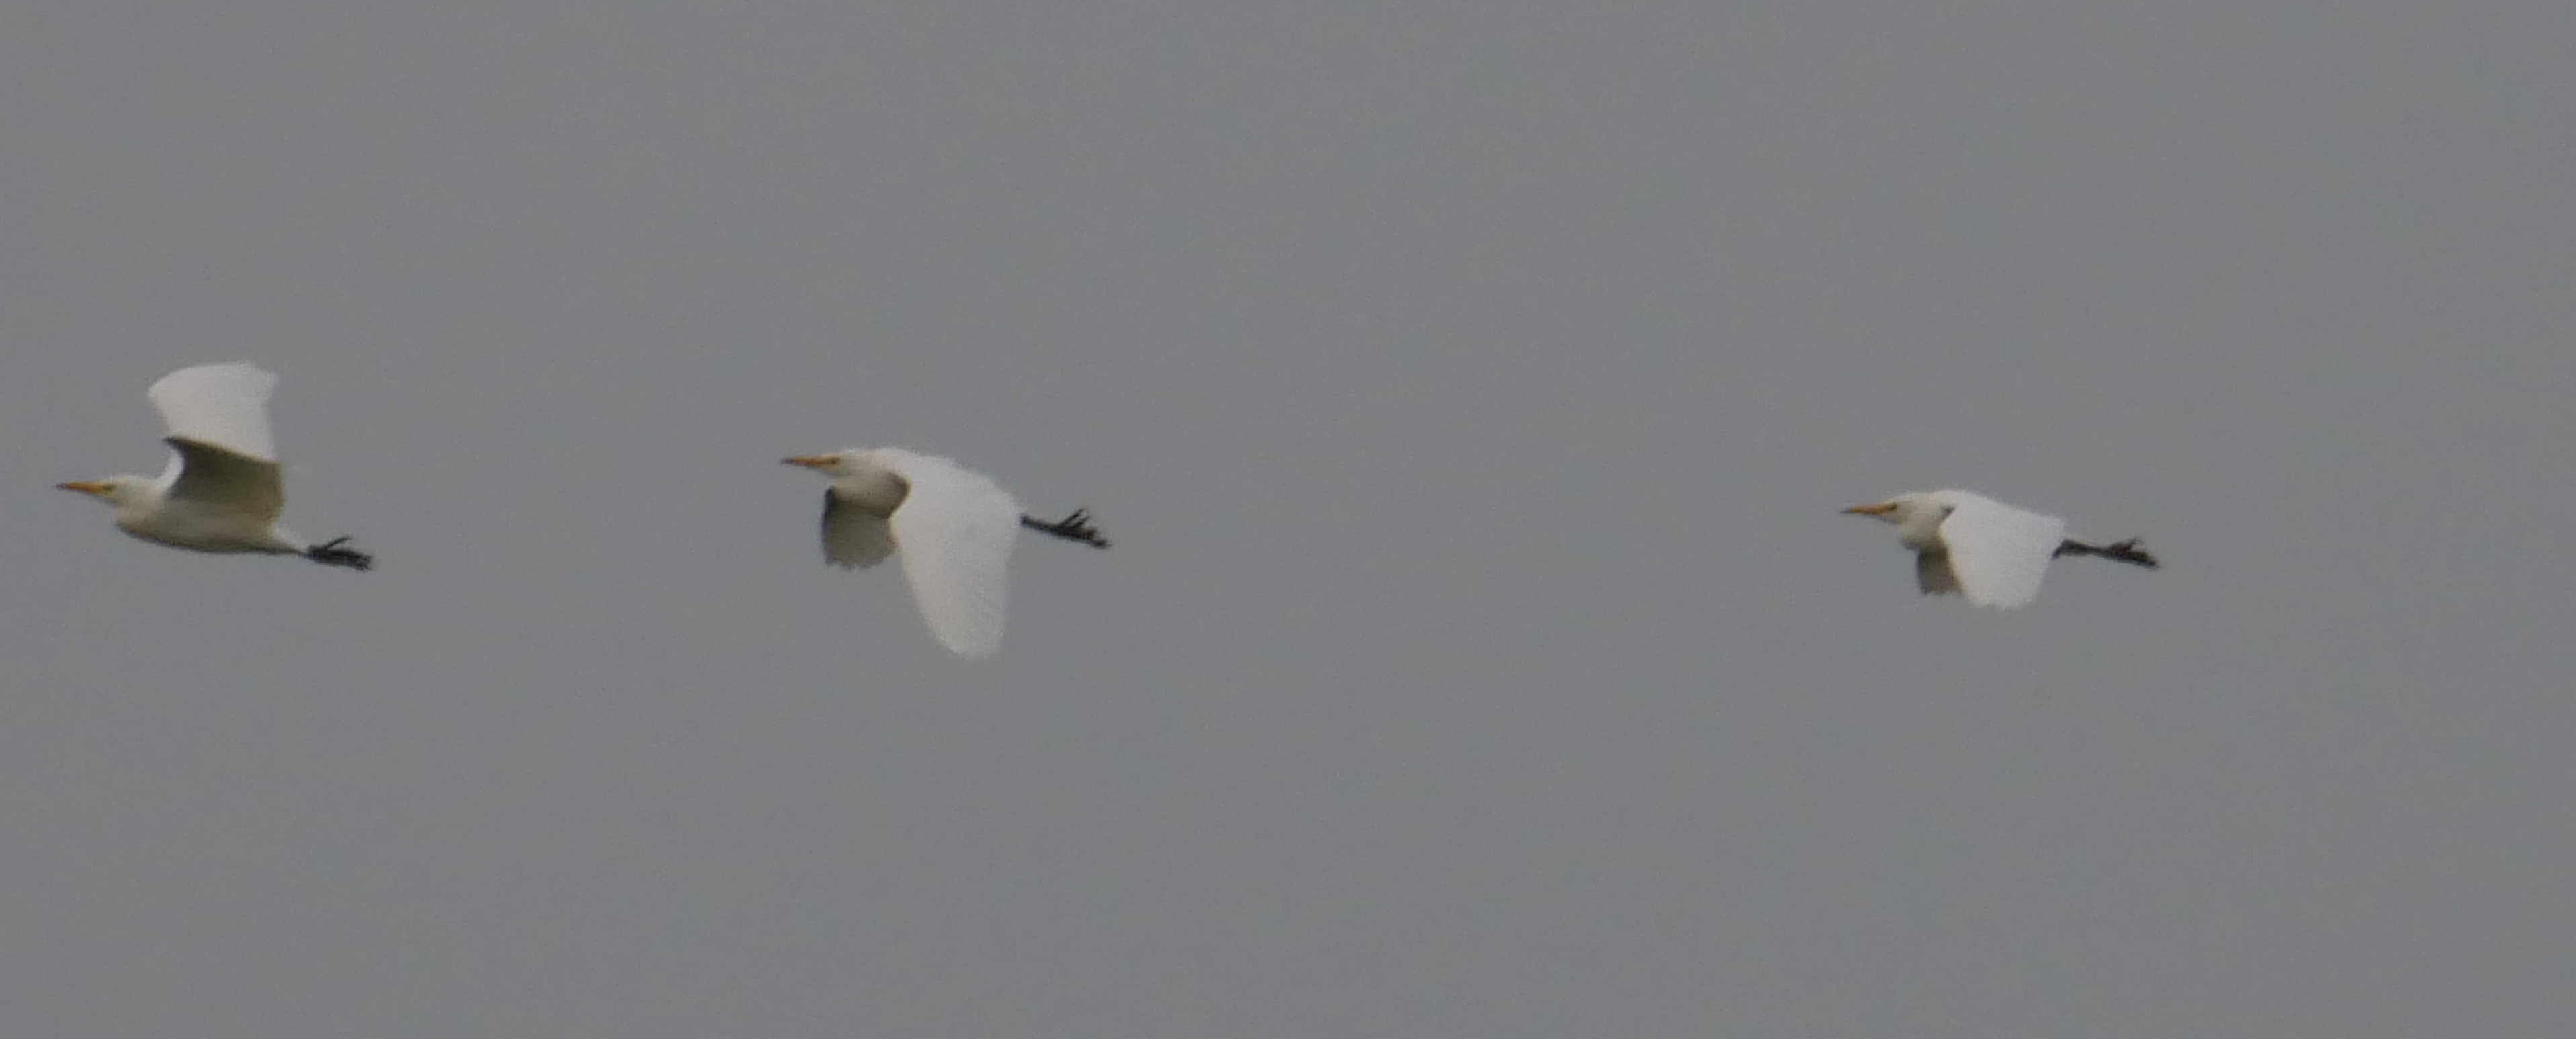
pixel 1470 389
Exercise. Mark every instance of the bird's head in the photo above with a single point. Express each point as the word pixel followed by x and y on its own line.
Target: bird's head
pixel 837 464
pixel 115 490
pixel 1904 510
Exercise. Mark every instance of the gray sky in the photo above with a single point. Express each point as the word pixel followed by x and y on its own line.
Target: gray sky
pixel 1470 388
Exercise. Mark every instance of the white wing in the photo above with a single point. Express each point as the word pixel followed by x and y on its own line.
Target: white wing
pixel 1998 553
pixel 955 531
pixel 853 536
pixel 233 482
pixel 225 405
pixel 1932 573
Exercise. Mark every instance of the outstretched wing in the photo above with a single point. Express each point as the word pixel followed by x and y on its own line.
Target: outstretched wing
pixel 955 529
pixel 225 479
pixel 1998 553
pixel 223 405
pixel 1932 572
pixel 853 537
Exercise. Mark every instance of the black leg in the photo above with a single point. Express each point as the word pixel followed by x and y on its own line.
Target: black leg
pixel 2126 551
pixel 1076 527
pixel 330 553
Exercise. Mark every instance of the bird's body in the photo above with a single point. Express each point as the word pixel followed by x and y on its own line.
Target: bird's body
pixel 955 528
pixel 1980 549
pixel 221 491
pixel 153 514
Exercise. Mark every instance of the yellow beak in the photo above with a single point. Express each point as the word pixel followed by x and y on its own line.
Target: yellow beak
pixel 1870 510
pixel 809 461
pixel 92 488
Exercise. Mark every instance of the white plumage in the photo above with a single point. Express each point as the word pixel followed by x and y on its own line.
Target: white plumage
pixel 955 528
pixel 221 490
pixel 1983 550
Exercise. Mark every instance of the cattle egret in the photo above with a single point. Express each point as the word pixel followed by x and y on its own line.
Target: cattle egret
pixel 953 526
pixel 221 491
pixel 1993 554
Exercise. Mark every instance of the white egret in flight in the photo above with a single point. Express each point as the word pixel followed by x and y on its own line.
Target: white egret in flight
pixel 1993 554
pixel 954 527
pixel 221 491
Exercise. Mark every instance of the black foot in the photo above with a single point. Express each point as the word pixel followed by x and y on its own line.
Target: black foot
pixel 2126 551
pixel 1076 527
pixel 329 553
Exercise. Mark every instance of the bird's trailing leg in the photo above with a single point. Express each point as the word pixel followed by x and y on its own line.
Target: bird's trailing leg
pixel 2125 551
pixel 330 553
pixel 1076 527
